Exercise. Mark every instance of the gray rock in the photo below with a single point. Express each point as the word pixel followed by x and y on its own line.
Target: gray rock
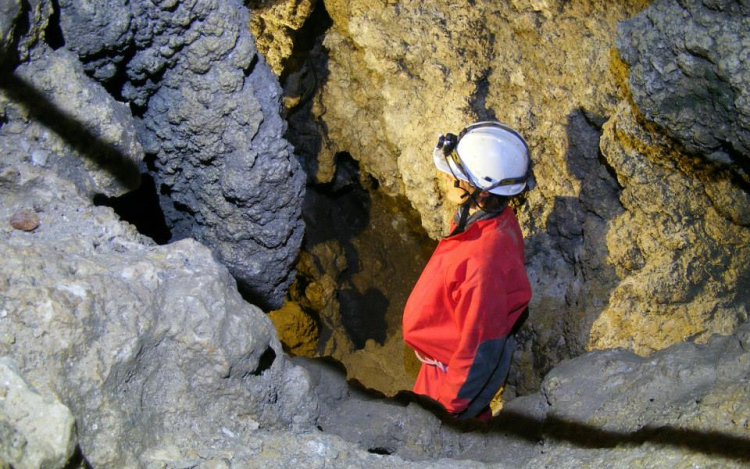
pixel 408 427
pixel 211 117
pixel 64 120
pixel 103 37
pixel 29 29
pixel 690 74
pixel 9 12
pixel 151 348
pixel 683 406
pixel 35 431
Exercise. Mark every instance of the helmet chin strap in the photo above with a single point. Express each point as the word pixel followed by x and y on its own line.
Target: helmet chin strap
pixel 464 208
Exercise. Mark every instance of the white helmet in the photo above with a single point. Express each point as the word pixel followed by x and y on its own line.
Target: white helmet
pixel 489 155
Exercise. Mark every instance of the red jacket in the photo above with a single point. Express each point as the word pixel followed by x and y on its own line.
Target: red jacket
pixel 462 309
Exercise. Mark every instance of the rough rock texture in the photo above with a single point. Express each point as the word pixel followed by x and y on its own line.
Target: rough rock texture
pixel 163 365
pixel 407 426
pixel 66 121
pixel 296 329
pixel 35 431
pixel 29 27
pixel 100 36
pixel 681 260
pixel 139 341
pixel 690 74
pixel 685 406
pixel 209 111
pixel 405 72
pixel 9 11
pixel 275 24
pixel 360 258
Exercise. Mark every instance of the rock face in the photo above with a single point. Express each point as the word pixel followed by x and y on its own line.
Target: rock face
pixel 139 341
pixel 690 74
pixel 683 272
pixel 206 114
pixel 275 25
pixel 152 349
pixel 297 331
pixel 66 121
pixel 683 406
pixel 624 226
pixel 36 431
pixel 209 118
pixel 633 241
pixel 658 411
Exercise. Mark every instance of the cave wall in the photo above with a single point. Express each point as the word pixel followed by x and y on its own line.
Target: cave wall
pixel 162 364
pixel 636 232
pixel 179 88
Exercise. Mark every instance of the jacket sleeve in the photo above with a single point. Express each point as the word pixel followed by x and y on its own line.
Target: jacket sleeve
pixel 481 315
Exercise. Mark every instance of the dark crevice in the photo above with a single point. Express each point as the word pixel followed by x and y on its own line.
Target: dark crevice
pixel 306 38
pixel 140 208
pixel 181 207
pixel 363 315
pixel 53 34
pixel 742 177
pixel 381 451
pixel 478 100
pixel 149 160
pixel 610 170
pixel 265 362
pixel 136 110
pixel 78 460
pixel 247 71
pixel 116 84
pixel 305 73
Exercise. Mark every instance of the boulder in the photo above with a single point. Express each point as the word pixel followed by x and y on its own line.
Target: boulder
pixel 36 432
pixel 151 347
pixel 208 109
pixel 689 74
pixel 64 120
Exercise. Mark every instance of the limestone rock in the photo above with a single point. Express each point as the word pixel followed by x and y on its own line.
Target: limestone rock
pixel 100 36
pixel 9 13
pixel 406 72
pixel 35 431
pixel 684 406
pixel 681 260
pixel 652 411
pixel 689 73
pixel 151 348
pixel 274 25
pixel 406 427
pixel 297 330
pixel 210 115
pixel 411 70
pixel 64 120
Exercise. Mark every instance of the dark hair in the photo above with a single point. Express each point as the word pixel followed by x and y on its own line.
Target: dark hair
pixel 493 203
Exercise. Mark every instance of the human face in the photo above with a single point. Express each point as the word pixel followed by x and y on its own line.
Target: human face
pixel 453 194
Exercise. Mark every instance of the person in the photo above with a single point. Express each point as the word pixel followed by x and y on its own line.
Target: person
pixel 460 314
